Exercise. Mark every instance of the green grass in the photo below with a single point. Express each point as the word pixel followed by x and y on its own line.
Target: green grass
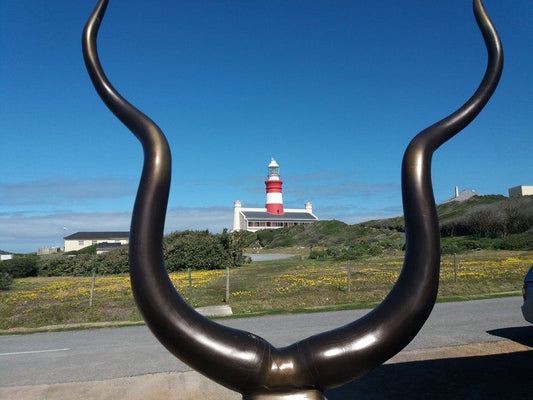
pixel 294 285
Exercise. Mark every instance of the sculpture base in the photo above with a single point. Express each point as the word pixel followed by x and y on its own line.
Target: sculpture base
pixel 299 395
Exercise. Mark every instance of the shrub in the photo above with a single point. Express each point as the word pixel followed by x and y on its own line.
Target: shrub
pixel 20 266
pixel 519 241
pixel 318 254
pixel 113 262
pixel 5 280
pixel 202 250
pixel 55 265
pixel 265 236
pixel 506 217
pixel 283 241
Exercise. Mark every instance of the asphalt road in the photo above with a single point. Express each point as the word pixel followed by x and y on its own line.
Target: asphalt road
pixel 268 256
pixel 48 358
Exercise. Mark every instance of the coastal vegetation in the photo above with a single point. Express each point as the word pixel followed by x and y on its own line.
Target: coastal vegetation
pixel 284 286
pixel 482 222
pixel 182 250
pixel 491 236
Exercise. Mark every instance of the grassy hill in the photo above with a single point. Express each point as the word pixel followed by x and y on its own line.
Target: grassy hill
pixel 326 234
pixel 493 222
pixel 445 211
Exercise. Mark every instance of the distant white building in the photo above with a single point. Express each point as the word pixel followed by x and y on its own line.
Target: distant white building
pixel 43 251
pixel 462 196
pixel 79 240
pixel 521 190
pixel 274 215
pixel 4 257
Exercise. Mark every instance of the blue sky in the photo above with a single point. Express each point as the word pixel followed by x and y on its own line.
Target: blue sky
pixel 333 90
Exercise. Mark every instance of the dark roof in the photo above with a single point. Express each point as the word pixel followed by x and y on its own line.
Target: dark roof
pixel 98 235
pixel 286 217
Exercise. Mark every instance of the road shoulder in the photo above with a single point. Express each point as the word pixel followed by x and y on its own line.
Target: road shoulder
pixel 190 385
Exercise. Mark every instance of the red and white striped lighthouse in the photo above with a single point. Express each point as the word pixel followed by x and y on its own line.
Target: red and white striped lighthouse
pixel 274 201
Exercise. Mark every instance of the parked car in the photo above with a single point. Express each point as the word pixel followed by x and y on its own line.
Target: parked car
pixel 527 294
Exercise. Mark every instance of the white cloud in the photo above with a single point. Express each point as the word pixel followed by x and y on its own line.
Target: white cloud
pixel 324 186
pixel 59 190
pixel 25 232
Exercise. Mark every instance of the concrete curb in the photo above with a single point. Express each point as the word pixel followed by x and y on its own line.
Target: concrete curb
pixel 215 311
pixel 68 327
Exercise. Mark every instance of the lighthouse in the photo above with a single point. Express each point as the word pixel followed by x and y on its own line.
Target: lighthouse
pixel 274 198
pixel 273 216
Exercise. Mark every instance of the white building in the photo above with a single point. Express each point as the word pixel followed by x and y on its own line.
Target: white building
pixel 274 215
pixel 462 196
pixel 79 240
pixel 43 251
pixel 521 191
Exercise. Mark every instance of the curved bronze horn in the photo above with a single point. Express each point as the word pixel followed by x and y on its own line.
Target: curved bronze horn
pixel 245 362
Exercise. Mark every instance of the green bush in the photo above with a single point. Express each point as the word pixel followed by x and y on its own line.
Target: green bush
pixel 265 236
pixel 519 241
pixel 494 220
pixel 318 254
pixel 283 241
pixel 5 280
pixel 352 252
pixel 113 262
pixel 55 265
pixel 20 266
pixel 59 265
pixel 197 250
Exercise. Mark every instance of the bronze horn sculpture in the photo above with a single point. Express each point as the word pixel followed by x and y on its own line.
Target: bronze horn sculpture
pixel 241 360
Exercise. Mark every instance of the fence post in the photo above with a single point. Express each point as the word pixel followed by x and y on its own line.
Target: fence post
pixel 227 285
pixel 455 266
pixel 92 289
pixel 349 277
pixel 190 286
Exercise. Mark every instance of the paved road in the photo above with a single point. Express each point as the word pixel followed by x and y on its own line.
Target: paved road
pixel 268 256
pixel 46 358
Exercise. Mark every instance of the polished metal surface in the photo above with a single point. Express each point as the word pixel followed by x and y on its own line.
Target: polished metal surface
pixel 293 395
pixel 241 360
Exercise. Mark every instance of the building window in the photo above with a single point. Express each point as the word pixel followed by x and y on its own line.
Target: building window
pixel 95 241
pixel 80 242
